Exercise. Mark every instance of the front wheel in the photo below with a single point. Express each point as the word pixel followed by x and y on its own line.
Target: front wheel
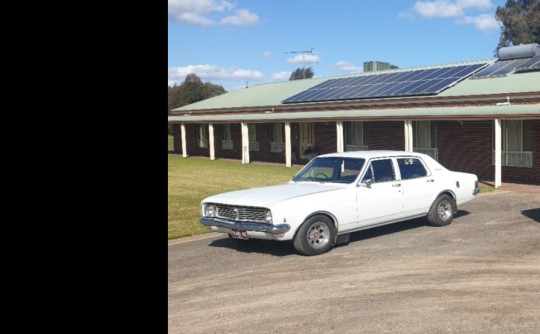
pixel 442 211
pixel 315 236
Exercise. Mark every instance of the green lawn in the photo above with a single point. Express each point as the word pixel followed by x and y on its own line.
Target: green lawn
pixel 192 179
pixel 170 143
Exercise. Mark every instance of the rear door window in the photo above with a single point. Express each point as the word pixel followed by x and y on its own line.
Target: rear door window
pixel 411 168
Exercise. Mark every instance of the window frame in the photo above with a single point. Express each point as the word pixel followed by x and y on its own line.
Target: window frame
pixel 432 150
pixel 202 136
pixel 350 133
pixel 226 137
pixel 515 158
pixel 276 146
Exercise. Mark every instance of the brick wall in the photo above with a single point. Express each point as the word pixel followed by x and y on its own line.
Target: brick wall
pixel 177 139
pixel 236 134
pixel 193 148
pixel 385 135
pixel 264 154
pixel 466 147
pixel 463 146
pixel 325 137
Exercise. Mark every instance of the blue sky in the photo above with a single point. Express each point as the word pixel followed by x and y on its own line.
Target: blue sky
pixel 234 42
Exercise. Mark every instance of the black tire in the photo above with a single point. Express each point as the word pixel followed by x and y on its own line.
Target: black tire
pixel 442 211
pixel 315 236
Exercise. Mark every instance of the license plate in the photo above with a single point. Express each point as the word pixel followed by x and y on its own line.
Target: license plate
pixel 239 235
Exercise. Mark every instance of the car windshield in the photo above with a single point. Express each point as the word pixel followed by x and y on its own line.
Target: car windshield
pixel 331 169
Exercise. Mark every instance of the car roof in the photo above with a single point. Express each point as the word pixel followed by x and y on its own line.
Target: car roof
pixel 373 154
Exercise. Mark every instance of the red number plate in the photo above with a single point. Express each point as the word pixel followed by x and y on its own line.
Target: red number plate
pixel 239 235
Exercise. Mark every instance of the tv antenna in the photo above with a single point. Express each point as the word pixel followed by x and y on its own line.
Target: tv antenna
pixel 304 52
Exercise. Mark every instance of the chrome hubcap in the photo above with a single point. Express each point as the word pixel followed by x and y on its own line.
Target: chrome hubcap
pixel 318 235
pixel 445 210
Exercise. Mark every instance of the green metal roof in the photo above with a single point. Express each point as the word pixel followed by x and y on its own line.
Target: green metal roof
pixel 512 83
pixel 255 96
pixel 530 111
pixel 272 94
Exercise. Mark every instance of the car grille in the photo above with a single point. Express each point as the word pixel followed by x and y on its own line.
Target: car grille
pixel 240 213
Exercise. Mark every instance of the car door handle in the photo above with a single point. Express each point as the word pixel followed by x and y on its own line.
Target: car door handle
pixel 431 180
pixel 396 185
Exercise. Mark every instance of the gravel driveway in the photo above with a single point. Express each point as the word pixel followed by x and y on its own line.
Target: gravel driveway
pixel 481 274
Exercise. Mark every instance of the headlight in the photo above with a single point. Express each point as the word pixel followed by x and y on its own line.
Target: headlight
pixel 268 217
pixel 209 210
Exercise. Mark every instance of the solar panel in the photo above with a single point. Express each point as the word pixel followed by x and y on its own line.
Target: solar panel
pixel 500 68
pixel 532 64
pixel 403 83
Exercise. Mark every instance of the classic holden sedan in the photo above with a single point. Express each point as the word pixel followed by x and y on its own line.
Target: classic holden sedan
pixel 340 193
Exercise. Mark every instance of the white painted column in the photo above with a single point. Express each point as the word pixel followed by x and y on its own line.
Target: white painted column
pixel 408 136
pixel 211 140
pixel 339 133
pixel 245 143
pixel 183 136
pixel 498 153
pixel 288 146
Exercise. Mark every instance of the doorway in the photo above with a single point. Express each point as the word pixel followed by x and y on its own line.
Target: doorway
pixel 307 139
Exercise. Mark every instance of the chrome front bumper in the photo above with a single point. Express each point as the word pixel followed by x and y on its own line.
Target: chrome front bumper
pixel 245 226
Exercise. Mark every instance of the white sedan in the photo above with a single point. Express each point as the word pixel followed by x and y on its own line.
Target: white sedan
pixel 339 193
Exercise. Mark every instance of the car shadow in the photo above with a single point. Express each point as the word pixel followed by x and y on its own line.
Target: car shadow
pixel 534 214
pixel 375 232
pixel 271 247
pixel 286 248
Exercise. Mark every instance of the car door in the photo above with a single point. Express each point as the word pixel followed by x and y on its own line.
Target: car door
pixel 379 194
pixel 417 186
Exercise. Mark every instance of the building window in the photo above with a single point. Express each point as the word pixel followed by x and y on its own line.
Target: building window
pixel 253 143
pixel 355 136
pixel 277 142
pixel 425 138
pixel 516 143
pixel 226 137
pixel 202 136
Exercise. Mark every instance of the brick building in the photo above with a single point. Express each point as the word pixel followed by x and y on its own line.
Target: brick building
pixel 481 117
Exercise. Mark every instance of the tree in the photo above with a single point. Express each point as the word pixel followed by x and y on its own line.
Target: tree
pixel 301 73
pixel 520 21
pixel 192 90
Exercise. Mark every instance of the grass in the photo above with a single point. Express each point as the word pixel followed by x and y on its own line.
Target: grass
pixel 190 180
pixel 486 188
pixel 170 143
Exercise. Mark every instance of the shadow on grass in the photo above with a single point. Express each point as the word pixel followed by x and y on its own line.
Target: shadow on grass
pixel 286 248
pixel 534 214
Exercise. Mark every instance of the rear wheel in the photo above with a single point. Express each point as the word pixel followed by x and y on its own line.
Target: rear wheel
pixel 442 211
pixel 315 236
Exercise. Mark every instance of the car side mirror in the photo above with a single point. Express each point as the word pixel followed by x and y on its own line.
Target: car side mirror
pixel 367 183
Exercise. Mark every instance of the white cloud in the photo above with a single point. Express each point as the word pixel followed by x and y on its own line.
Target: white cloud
pixel 457 9
pixel 445 8
pixel 242 17
pixel 480 4
pixel 213 72
pixel 439 8
pixel 304 59
pixel 283 75
pixel 482 22
pixel 267 54
pixel 203 13
pixel 347 67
